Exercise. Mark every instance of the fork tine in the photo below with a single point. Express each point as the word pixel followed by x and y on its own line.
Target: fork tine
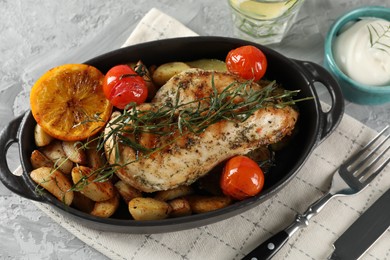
pixel 363 173
pixel 374 174
pixel 365 148
pixel 369 155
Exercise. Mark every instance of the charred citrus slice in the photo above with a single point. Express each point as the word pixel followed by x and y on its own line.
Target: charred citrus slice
pixel 68 102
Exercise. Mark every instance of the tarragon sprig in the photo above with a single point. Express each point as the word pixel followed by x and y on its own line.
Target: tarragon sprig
pixel 381 32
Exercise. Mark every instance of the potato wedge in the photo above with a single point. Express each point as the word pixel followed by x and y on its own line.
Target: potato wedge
pixel 56 154
pixel 167 70
pixel 208 64
pixel 180 207
pixel 149 209
pixel 180 191
pixel 54 182
pixel 83 178
pixel 41 137
pixel 107 208
pixel 74 151
pixel 38 159
pixel 126 191
pixel 202 204
pixel 82 202
pixel 95 159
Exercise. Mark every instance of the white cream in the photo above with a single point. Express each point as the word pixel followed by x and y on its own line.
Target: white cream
pixel 362 54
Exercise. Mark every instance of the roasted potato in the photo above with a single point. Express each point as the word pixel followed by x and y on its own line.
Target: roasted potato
pixel 149 209
pixel 95 159
pixel 41 137
pixel 107 208
pixel 74 152
pixel 38 159
pixel 173 193
pixel 82 202
pixel 56 154
pixel 126 191
pixel 167 70
pixel 202 204
pixel 208 64
pixel 84 179
pixel 54 182
pixel 180 207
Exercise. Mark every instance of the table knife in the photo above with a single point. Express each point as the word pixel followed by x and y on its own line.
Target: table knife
pixel 363 233
pixel 354 242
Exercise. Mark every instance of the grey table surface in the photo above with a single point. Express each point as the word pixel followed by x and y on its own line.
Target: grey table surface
pixel 36 35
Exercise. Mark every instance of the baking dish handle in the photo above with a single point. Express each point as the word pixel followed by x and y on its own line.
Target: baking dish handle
pixel 14 183
pixel 332 117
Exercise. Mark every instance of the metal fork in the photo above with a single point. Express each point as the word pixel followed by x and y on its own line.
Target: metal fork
pixel 350 178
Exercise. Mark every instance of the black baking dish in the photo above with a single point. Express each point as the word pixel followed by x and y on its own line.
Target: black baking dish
pixel 314 126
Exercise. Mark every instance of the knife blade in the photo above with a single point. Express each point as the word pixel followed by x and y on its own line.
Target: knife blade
pixel 363 233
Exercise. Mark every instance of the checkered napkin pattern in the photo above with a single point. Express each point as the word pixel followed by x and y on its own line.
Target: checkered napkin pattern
pixel 236 236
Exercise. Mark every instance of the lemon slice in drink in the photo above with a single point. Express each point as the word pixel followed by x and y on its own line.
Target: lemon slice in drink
pixel 262 10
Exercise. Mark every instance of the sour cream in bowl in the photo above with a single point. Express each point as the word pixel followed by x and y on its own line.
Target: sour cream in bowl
pixel 357 52
pixel 362 51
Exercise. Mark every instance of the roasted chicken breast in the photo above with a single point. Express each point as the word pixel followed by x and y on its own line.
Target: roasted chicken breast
pixel 180 159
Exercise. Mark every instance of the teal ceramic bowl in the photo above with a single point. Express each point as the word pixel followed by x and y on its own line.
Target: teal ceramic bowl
pixel 352 90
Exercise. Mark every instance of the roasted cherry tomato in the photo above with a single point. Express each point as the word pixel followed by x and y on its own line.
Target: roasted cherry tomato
pixel 122 85
pixel 248 62
pixel 241 178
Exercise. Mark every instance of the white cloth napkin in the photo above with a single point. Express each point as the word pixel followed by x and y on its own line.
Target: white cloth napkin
pixel 234 237
pixel 156 25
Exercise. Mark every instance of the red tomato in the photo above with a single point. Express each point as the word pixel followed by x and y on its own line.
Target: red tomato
pixel 122 86
pixel 241 178
pixel 248 62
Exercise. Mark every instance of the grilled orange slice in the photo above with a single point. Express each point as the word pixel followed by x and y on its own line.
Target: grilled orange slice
pixel 68 102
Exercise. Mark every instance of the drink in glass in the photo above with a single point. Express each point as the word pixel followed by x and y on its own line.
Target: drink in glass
pixel 263 21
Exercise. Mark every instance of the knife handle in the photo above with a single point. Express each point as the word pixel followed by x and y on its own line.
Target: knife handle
pixel 268 248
